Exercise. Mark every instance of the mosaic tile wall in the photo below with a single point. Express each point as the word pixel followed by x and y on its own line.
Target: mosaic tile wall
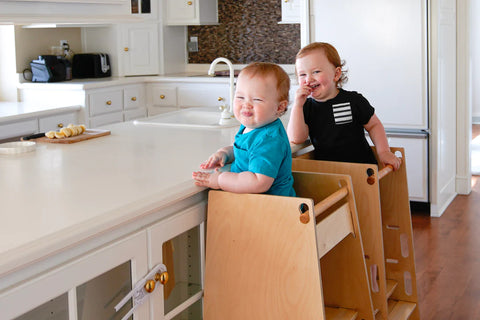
pixel 248 31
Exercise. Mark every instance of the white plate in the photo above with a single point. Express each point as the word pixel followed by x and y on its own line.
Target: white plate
pixel 17 147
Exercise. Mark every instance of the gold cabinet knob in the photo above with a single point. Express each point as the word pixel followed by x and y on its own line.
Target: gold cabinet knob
pixel 220 99
pixel 60 125
pixel 125 49
pixel 189 3
pixel 162 96
pixel 162 277
pixel 109 102
pixel 149 286
pixel 134 99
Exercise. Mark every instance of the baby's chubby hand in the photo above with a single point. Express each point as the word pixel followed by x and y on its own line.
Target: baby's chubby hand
pixel 388 157
pixel 218 159
pixel 302 94
pixel 207 179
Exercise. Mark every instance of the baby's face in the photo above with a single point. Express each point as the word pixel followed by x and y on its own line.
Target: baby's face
pixel 315 71
pixel 257 101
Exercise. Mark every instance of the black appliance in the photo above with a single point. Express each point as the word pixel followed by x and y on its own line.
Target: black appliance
pixel 51 68
pixel 91 65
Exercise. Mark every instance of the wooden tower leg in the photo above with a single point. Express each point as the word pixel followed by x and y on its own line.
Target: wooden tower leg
pixel 398 238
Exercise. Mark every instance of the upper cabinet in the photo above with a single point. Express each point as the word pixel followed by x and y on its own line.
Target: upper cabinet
pixel 140 49
pixel 291 11
pixel 191 12
pixel 63 11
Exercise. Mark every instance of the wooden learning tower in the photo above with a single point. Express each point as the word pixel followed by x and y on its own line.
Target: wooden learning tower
pixel 271 257
pixel 384 214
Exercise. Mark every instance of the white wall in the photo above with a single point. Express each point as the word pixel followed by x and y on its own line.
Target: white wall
pixel 8 80
pixel 475 56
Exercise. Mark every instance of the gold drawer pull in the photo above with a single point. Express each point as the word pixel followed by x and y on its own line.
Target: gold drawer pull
pixel 134 98
pixel 162 96
pixel 125 49
pixel 220 99
pixel 189 3
pixel 109 102
pixel 60 125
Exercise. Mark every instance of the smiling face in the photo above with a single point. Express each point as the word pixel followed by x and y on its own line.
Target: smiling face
pixel 257 101
pixel 315 71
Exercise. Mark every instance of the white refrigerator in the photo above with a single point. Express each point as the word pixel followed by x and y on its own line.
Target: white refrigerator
pixel 384 44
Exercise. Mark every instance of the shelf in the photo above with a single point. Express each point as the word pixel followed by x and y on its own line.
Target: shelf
pixel 400 310
pixel 340 314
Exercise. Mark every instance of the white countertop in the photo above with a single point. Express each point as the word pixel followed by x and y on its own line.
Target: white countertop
pixel 61 194
pixel 11 111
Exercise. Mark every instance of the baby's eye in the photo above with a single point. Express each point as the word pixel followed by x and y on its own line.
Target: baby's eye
pixel 257 99
pixel 301 75
pixel 239 97
pixel 316 71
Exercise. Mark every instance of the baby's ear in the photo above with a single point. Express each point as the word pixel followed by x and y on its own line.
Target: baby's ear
pixel 282 107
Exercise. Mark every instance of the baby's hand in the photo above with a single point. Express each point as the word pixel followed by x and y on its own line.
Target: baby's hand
pixel 388 157
pixel 206 179
pixel 218 159
pixel 302 94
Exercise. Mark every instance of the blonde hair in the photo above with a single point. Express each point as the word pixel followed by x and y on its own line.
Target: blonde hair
pixel 264 69
pixel 332 56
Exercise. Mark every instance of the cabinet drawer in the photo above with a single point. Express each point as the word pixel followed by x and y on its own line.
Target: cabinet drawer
pixel 19 128
pixel 135 114
pixel 134 97
pixel 56 122
pixel 105 119
pixel 202 95
pixel 105 102
pixel 164 96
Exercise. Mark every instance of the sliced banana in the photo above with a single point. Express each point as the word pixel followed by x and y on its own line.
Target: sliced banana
pixel 59 135
pixel 68 132
pixel 50 134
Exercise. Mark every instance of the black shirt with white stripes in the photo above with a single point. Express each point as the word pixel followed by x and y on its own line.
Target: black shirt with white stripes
pixel 336 127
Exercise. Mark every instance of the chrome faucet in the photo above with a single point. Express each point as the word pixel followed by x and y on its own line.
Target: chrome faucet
pixel 227 113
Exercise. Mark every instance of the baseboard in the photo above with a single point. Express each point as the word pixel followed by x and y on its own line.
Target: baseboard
pixel 476 120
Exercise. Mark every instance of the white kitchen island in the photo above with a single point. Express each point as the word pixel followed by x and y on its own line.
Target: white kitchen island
pixel 73 212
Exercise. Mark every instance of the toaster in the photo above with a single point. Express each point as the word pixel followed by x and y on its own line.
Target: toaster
pixel 91 65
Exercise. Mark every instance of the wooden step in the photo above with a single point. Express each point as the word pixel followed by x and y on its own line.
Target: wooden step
pixel 340 314
pixel 391 286
pixel 400 310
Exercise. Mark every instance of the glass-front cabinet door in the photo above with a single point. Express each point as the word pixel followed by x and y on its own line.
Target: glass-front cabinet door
pixel 179 243
pixel 86 288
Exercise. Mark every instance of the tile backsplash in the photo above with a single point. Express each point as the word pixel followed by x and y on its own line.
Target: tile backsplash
pixel 248 31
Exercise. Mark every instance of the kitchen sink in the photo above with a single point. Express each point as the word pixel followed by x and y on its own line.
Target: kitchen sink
pixel 208 118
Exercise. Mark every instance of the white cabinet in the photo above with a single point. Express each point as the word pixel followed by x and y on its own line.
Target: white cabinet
pixel 94 283
pixel 140 49
pixel 18 128
pixel 291 11
pixel 164 97
pixel 58 121
pixel 191 12
pixel 179 243
pixel 93 280
pixel 35 124
pixel 133 47
pixel 115 104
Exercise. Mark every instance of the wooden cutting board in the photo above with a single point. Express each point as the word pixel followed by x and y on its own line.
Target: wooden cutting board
pixel 88 134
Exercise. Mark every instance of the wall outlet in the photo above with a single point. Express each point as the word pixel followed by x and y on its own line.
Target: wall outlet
pixel 192 45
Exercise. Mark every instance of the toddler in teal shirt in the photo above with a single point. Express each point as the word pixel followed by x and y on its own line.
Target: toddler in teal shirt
pixel 261 156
